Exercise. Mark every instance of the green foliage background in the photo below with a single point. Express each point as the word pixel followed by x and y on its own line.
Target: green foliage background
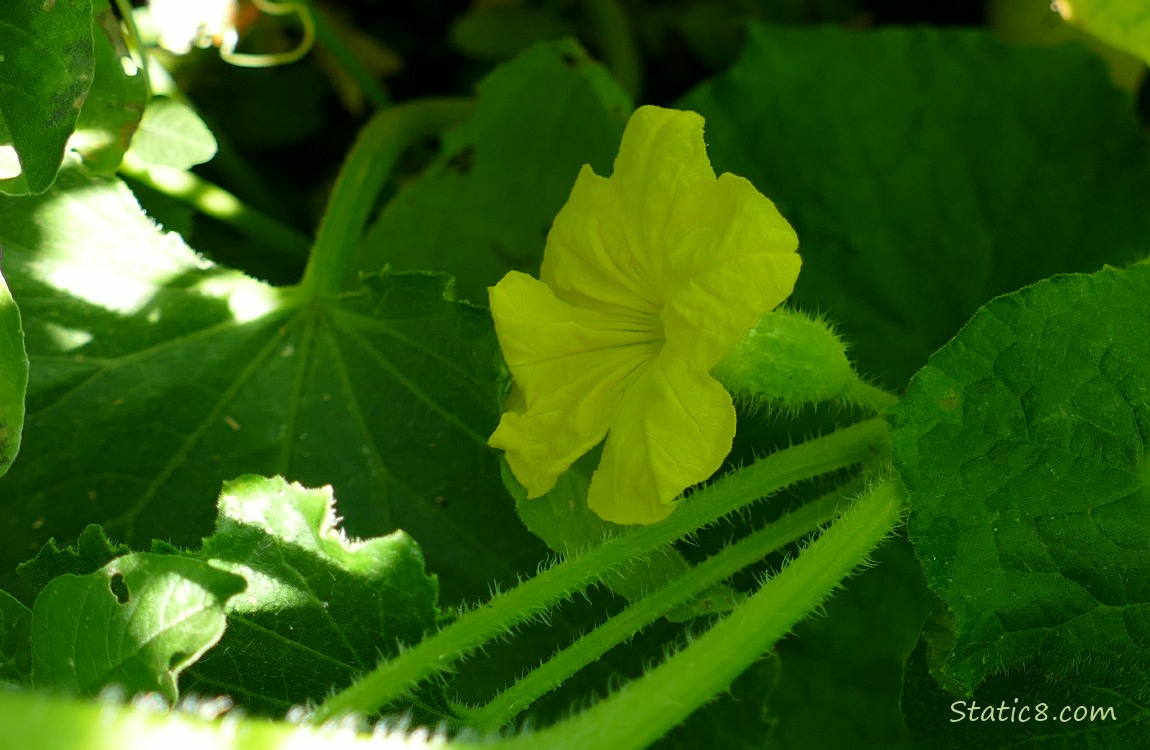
pixel 970 212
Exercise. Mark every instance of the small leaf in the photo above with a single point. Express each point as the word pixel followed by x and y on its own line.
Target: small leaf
pixel 46 54
pixel 15 641
pixel 319 608
pixel 13 378
pixel 1024 445
pixel 172 135
pixel 136 623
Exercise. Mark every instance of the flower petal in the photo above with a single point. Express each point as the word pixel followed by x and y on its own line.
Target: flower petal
pixel 588 260
pixel 730 257
pixel 673 429
pixel 661 155
pixel 572 367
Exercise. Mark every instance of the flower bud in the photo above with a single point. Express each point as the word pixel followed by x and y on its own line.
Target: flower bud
pixel 788 357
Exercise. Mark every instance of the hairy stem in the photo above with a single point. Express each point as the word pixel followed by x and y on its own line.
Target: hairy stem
pixel 437 653
pixel 646 709
pixel 869 396
pixel 379 145
pixel 715 569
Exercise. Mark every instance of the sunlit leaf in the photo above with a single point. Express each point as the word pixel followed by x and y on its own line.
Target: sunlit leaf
pixel 136 623
pixel 171 376
pixel 319 608
pixel 172 135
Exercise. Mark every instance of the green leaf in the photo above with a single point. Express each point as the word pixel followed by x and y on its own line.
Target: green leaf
pixel 15 640
pixel 92 551
pixel 137 623
pixel 1015 709
pixel 319 608
pixel 48 62
pixel 171 376
pixel 1124 24
pixel 562 519
pixel 929 171
pixel 13 378
pixel 115 103
pixel 1023 443
pixel 172 135
pixel 485 206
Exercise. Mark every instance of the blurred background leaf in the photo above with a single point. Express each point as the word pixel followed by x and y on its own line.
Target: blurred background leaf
pixel 485 205
pixel 929 171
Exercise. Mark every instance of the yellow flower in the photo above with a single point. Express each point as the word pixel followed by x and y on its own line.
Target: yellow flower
pixel 648 278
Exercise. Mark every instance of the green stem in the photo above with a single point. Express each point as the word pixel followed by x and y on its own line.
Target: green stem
pixel 327 35
pixel 868 396
pixel 719 567
pixel 213 201
pixel 646 709
pixel 437 653
pixel 379 145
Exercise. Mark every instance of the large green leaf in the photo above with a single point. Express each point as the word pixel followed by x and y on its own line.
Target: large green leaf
pixel 1024 444
pixel 47 53
pixel 170 376
pixel 136 623
pixel 928 171
pixel 486 205
pixel 319 608
pixel 13 378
